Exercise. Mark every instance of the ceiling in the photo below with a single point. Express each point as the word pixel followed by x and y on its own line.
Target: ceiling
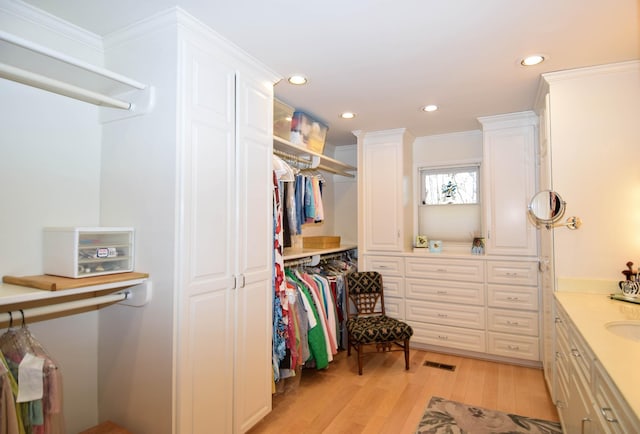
pixel 384 59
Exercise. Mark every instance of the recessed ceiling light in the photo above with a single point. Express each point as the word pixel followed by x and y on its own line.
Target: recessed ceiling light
pixel 532 60
pixel 429 108
pixel 347 115
pixel 298 79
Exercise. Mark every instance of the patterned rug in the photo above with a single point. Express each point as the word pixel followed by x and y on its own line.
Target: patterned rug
pixel 449 417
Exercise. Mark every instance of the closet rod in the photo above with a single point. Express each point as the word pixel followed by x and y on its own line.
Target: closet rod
pixel 62 307
pixel 36 48
pixel 49 84
pixel 295 158
pixel 291 157
pixel 334 171
pixel 296 262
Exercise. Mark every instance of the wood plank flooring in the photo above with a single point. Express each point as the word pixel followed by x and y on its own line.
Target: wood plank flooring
pixel 388 399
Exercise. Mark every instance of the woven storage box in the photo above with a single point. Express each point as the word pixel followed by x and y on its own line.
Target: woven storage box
pixel 323 242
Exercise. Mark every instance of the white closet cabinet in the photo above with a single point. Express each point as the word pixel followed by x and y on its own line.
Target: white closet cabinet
pixel 509 182
pixel 224 253
pixel 384 180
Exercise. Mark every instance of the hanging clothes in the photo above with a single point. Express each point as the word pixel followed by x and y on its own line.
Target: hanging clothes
pixel 39 380
pixel 280 312
pixel 10 423
pixel 318 319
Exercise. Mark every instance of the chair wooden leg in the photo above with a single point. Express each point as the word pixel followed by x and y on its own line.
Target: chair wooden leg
pixel 406 354
pixel 360 357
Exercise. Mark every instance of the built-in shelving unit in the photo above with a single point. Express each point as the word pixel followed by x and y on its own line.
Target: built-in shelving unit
pixel 38 66
pixel 292 253
pixel 313 159
pixel 53 296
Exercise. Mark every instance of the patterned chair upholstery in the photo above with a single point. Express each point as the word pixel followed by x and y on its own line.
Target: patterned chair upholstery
pixel 367 324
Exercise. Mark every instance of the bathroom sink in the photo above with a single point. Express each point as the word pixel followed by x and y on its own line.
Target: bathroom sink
pixel 626 329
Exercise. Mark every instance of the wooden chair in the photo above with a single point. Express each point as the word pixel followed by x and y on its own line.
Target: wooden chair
pixel 367 324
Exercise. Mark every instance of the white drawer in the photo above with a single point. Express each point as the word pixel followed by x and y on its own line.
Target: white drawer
pixel 581 356
pixel 394 307
pixel 445 291
pixel 513 321
pixel 445 314
pixel 445 269
pixel 513 297
pixel 385 265
pixel 393 286
pixel 520 347
pixel 451 337
pixel 611 404
pixel 512 272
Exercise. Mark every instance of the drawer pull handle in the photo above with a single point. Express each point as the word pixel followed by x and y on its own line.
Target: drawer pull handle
pixel 441 270
pixel 515 323
pixel 441 292
pixel 608 418
pixel 513 347
pixel 575 353
pixel 383 266
pixel 511 274
pixel 443 338
pixel 513 298
pixel 442 315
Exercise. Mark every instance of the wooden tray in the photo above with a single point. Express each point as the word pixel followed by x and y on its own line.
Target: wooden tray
pixel 54 283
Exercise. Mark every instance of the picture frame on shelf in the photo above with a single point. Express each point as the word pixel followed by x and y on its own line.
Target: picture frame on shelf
pixel 477 247
pixel 422 242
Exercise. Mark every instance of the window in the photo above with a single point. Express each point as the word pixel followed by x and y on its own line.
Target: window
pixel 449 185
pixel 450 203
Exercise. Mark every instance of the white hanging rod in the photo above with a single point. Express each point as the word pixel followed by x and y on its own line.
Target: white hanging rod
pixel 310 164
pixel 36 48
pixel 49 84
pixel 62 307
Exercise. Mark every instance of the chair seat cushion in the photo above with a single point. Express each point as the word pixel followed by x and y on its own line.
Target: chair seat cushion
pixel 366 330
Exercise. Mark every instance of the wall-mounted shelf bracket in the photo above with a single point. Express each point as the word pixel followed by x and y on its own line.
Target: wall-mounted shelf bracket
pixel 138 295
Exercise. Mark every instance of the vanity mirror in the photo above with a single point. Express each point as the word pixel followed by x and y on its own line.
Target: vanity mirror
pixel 547 208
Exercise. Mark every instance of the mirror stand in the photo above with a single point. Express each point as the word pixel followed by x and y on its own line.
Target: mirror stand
pixel 547 208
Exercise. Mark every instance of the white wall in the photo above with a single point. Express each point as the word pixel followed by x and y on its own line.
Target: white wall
pixel 595 145
pixel 49 176
pixel 339 199
pixel 457 224
pixel 139 160
pixel 346 197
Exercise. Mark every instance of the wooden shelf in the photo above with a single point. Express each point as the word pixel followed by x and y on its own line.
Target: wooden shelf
pixel 45 287
pixel 305 155
pixel 291 253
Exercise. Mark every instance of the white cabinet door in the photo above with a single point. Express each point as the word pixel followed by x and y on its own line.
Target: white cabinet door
pixel 385 191
pixel 509 177
pixel 253 363
pixel 207 248
pixel 383 197
pixel 223 373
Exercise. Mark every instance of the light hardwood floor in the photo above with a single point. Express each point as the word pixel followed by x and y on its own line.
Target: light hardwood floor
pixel 388 399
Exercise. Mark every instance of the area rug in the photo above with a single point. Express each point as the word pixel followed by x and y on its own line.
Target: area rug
pixel 450 417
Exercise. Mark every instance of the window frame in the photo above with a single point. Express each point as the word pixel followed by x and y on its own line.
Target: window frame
pixel 423 172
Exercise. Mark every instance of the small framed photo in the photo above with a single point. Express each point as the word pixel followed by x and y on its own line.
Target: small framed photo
pixel 421 241
pixel 477 248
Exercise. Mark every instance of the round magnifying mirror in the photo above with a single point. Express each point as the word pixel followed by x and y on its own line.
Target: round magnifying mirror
pixel 547 207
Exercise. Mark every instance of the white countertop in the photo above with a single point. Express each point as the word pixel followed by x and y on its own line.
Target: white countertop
pixel 619 356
